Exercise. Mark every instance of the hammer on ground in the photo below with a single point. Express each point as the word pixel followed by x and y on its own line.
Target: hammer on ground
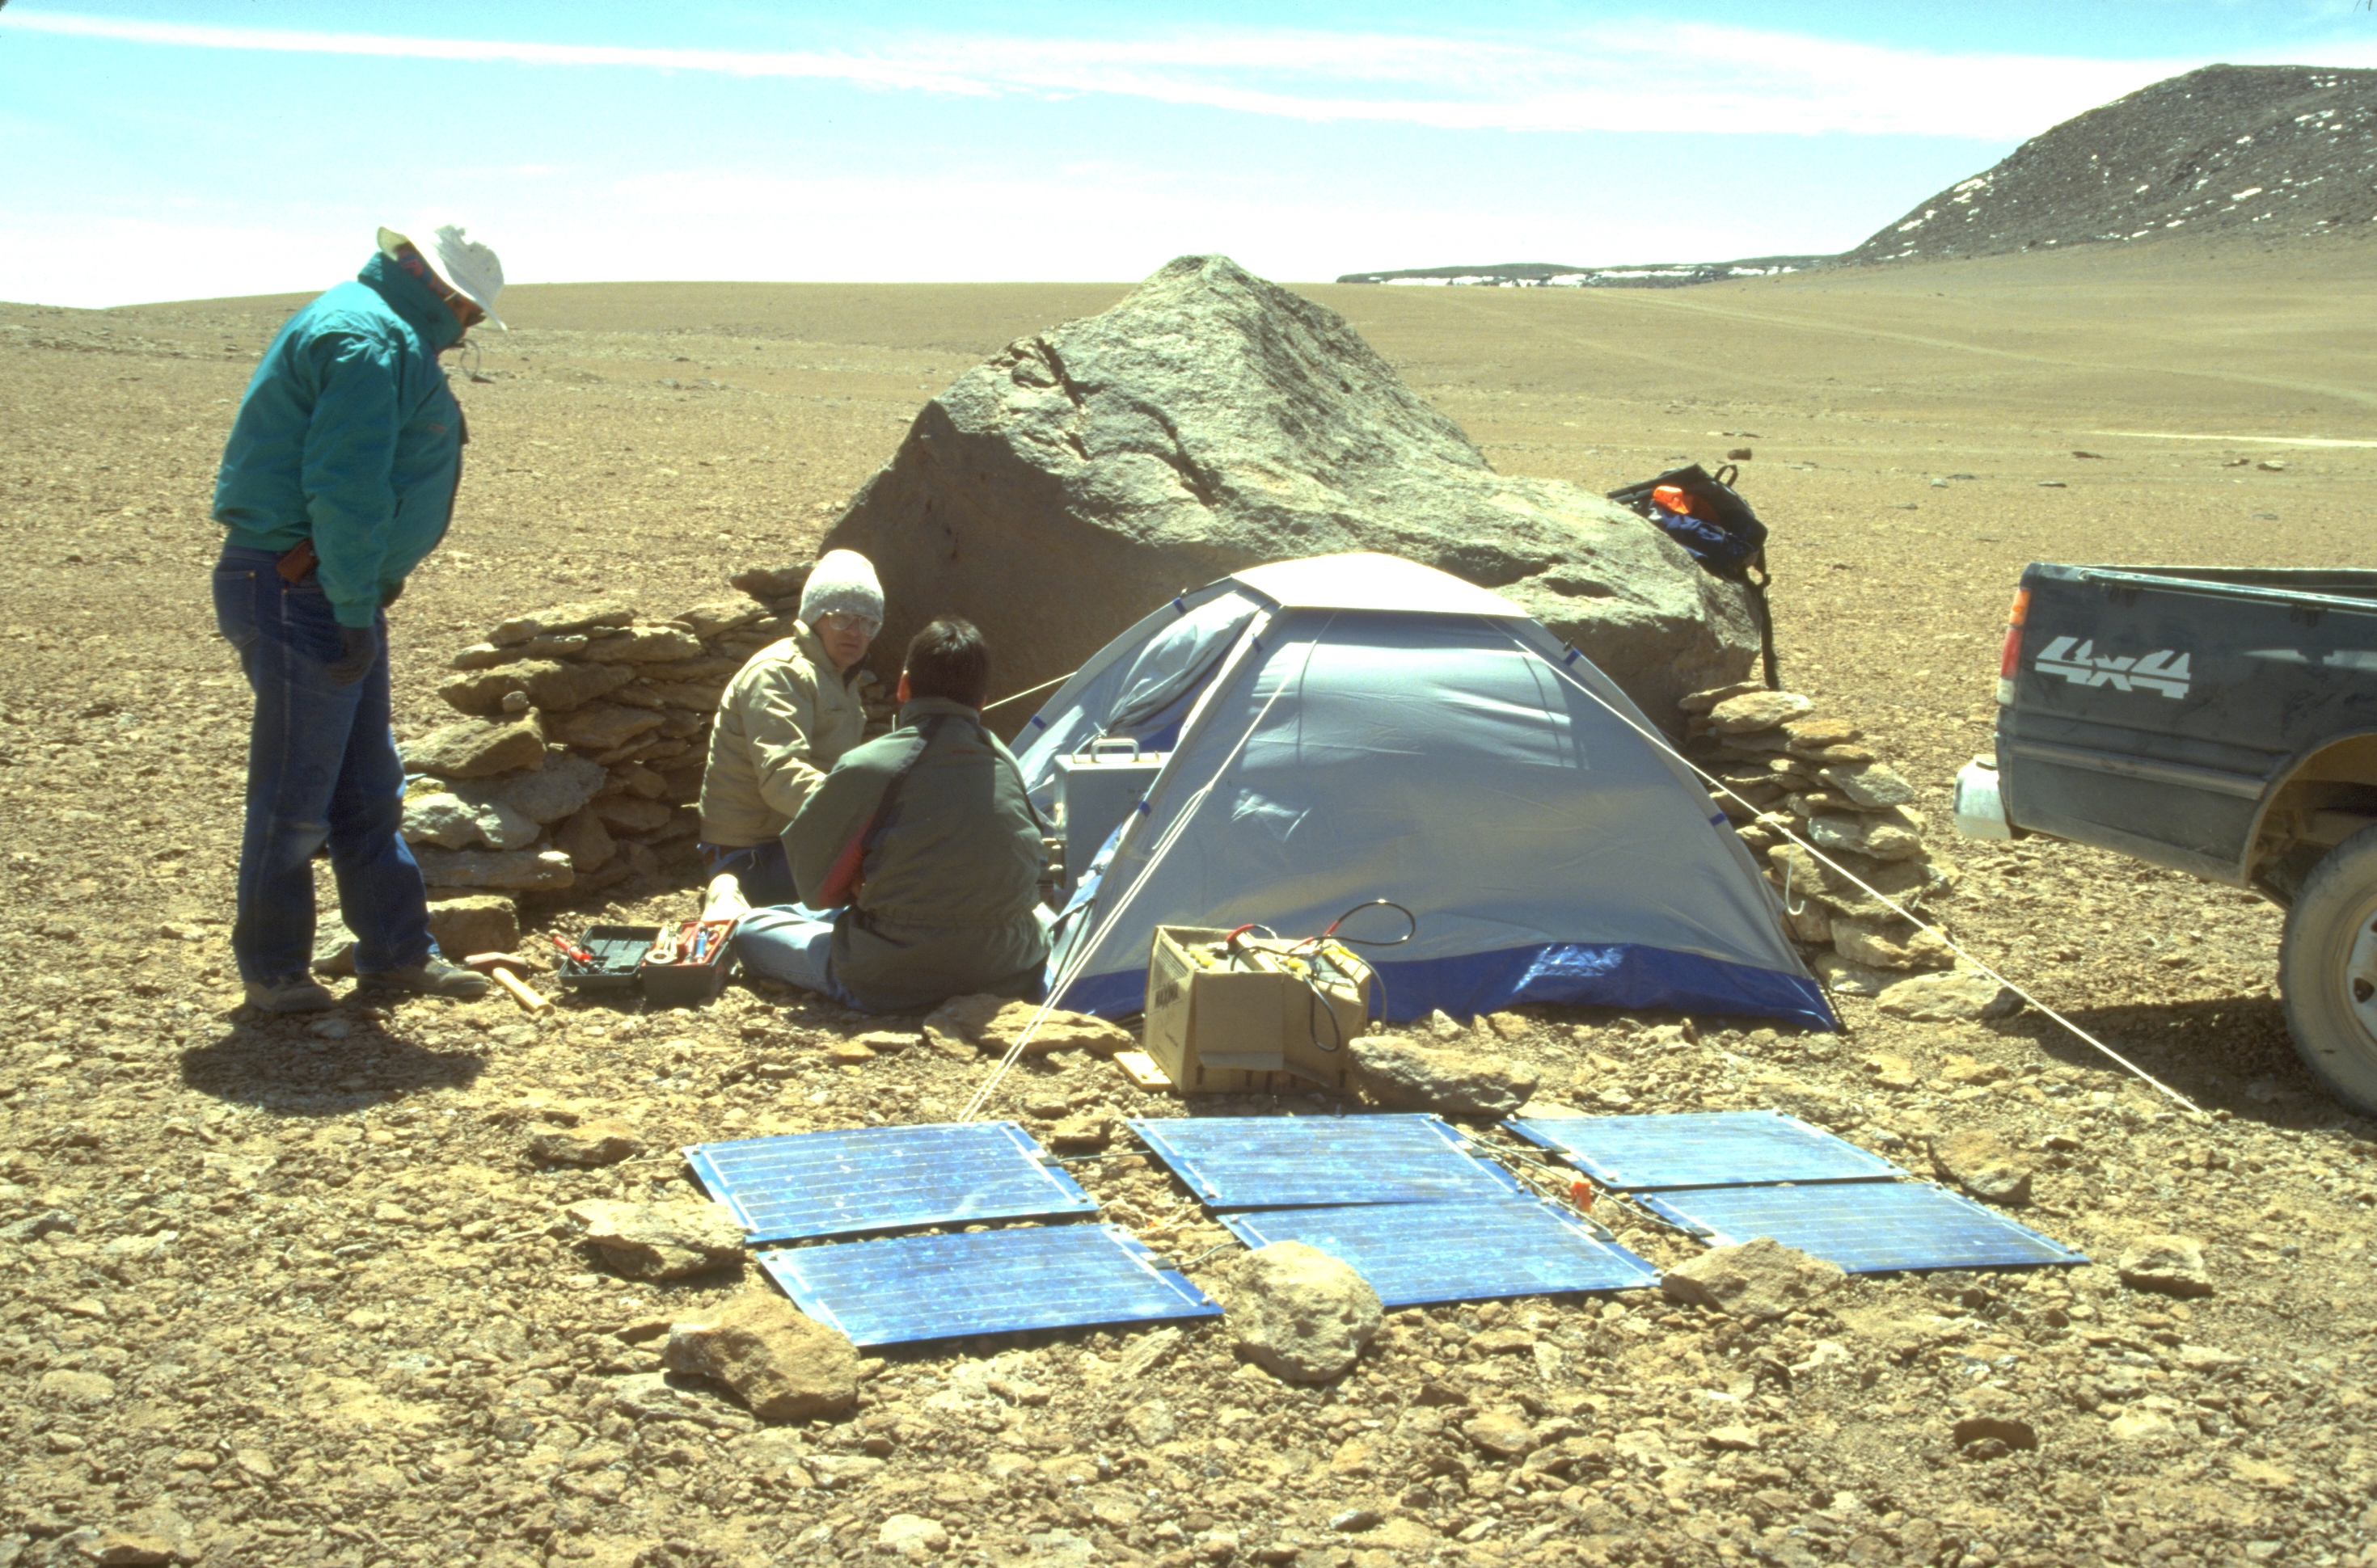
pixel 505 970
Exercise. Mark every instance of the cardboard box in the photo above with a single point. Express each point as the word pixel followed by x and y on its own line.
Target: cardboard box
pixel 1251 1023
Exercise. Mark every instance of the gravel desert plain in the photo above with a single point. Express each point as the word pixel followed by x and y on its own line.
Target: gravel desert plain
pixel 298 1291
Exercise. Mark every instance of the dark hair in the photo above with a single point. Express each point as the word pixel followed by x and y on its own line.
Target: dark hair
pixel 948 659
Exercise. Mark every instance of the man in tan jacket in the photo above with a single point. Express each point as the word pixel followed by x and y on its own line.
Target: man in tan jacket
pixel 783 722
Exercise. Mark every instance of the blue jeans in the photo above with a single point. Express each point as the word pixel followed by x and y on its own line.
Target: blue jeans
pixel 322 768
pixel 791 944
pixel 762 871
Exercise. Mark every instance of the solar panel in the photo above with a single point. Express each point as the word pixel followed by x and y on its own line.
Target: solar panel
pixel 1865 1226
pixel 1717 1148
pixel 797 1186
pixel 915 1288
pixel 1413 1254
pixel 1289 1161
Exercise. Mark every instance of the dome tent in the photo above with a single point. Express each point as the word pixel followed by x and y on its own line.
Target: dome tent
pixel 1355 727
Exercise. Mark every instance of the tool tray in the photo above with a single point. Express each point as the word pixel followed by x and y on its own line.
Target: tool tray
pixel 689 985
pixel 619 953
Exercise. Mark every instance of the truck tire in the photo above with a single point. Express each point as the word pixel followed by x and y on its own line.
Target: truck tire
pixel 2327 970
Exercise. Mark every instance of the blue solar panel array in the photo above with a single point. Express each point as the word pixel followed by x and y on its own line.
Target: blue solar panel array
pixel 1865 1226
pixel 1724 1148
pixel 1415 1254
pixel 1297 1162
pixel 918 1288
pixel 799 1186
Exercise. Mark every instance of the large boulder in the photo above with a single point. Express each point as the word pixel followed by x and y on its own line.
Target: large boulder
pixel 1212 420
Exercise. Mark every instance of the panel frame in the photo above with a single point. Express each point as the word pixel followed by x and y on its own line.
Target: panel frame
pixel 813 1277
pixel 1674 1206
pixel 1190 1167
pixel 1062 1198
pixel 1257 1227
pixel 1866 1165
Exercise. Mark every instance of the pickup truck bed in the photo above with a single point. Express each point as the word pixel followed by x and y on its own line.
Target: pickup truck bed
pixel 2223 723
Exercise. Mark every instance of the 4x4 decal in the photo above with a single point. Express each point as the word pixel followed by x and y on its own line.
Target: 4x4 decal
pixel 2076 661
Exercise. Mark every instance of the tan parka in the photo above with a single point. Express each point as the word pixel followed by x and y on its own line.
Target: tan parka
pixel 783 722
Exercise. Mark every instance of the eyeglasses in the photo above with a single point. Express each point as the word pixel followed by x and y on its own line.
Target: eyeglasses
pixel 848 620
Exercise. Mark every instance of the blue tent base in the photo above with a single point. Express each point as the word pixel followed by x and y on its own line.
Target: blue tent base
pixel 1625 976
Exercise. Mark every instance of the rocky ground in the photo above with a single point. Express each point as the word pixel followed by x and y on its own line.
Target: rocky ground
pixel 303 1291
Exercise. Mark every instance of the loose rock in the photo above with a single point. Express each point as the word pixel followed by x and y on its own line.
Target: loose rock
pixel 1949 996
pixel 965 1025
pixel 1984 1165
pixel 912 1535
pixel 784 1366
pixel 516 871
pixel 1299 1313
pixel 1759 1279
pixel 1756 710
pixel 658 1241
pixel 605 1142
pixel 451 822
pixel 1398 1071
pixel 1893 945
pixel 2170 1264
pixel 562 618
pixel 474 748
pixel 477 923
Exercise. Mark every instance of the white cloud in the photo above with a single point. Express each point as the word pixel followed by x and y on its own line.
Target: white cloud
pixel 1616 77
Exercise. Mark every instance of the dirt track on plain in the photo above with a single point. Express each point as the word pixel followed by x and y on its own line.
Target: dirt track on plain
pixel 279 1296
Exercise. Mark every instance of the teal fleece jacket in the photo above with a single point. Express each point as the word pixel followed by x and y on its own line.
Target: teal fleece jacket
pixel 349 436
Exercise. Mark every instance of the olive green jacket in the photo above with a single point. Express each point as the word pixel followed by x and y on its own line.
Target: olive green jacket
pixel 782 721
pixel 938 892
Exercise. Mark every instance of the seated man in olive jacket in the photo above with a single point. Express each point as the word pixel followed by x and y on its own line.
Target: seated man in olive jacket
pixel 925 845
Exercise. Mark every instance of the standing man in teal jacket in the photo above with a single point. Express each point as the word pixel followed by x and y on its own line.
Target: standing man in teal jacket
pixel 339 477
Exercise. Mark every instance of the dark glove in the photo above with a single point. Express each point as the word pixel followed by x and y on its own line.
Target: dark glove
pixel 358 651
pixel 390 592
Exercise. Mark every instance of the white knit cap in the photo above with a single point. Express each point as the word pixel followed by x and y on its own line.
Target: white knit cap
pixel 842 582
pixel 471 266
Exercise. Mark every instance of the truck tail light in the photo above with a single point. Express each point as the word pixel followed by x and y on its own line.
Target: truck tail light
pixel 2010 657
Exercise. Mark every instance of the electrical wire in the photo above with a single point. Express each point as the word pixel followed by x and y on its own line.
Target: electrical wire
pixel 1660 741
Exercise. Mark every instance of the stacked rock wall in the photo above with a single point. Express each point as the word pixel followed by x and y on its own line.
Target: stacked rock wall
pixel 579 753
pixel 1818 778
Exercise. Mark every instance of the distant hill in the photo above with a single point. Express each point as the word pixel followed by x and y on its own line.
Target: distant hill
pixel 2276 150
pixel 1553 275
pixel 2281 151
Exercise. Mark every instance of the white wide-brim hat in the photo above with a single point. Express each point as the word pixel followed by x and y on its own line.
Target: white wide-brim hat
pixel 471 266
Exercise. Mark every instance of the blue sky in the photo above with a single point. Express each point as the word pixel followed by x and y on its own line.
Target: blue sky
pixel 199 148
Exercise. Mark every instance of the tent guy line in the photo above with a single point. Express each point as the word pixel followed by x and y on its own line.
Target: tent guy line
pixel 1954 946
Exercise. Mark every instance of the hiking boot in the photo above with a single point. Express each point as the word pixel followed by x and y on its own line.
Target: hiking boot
pixel 432 977
pixel 300 993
